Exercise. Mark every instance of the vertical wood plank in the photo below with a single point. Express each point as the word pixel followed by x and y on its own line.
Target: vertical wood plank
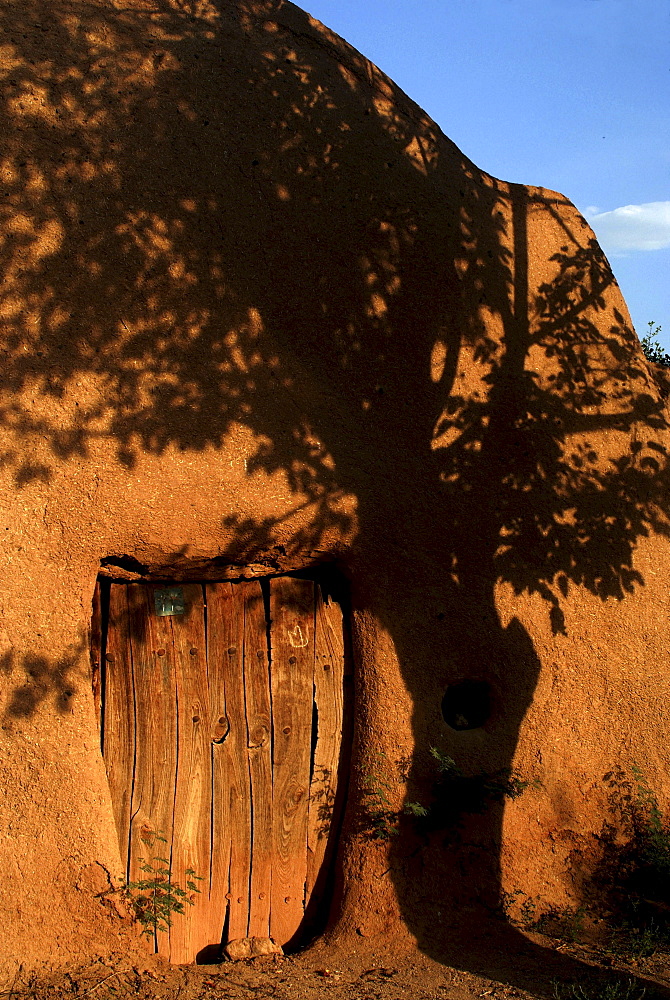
pixel 191 833
pixel 259 749
pixel 329 700
pixel 231 811
pixel 96 652
pixel 224 631
pixel 156 727
pixel 292 679
pixel 119 715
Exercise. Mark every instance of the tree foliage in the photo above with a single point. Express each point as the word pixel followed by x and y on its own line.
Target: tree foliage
pixel 653 351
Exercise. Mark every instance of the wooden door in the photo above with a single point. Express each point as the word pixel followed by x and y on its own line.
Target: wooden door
pixel 223 706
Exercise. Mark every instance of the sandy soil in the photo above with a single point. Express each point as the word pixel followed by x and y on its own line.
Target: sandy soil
pixel 501 964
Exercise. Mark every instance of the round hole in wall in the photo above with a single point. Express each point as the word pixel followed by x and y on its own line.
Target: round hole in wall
pixel 466 704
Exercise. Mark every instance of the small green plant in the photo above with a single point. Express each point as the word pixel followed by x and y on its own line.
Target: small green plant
pixel 454 794
pixel 566 924
pixel 157 897
pixel 563 923
pixel 415 809
pixel 633 877
pixel 496 786
pixel 528 913
pixel 653 351
pixel 380 821
pixel 644 861
pixel 636 938
pixel 654 831
pixel 518 908
pixel 612 989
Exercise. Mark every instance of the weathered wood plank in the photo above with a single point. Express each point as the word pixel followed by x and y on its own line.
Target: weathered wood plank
pixel 329 701
pixel 119 715
pixel 221 634
pixel 231 813
pixel 259 749
pixel 292 678
pixel 156 726
pixel 96 652
pixel 191 836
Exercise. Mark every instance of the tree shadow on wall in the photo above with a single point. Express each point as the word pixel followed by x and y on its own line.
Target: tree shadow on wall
pixel 43 678
pixel 550 472
pixel 221 217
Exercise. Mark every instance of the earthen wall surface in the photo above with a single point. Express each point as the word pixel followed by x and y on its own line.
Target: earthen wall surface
pixel 256 308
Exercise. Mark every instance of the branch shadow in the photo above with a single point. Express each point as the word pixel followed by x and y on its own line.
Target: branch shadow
pixel 44 679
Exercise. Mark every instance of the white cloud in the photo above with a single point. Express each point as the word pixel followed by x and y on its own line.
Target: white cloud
pixel 632 227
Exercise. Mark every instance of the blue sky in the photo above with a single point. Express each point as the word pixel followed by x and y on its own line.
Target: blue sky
pixel 572 95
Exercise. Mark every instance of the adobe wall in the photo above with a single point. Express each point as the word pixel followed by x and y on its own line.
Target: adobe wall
pixel 256 308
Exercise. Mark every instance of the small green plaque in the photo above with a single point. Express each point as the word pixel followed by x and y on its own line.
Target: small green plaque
pixel 169 601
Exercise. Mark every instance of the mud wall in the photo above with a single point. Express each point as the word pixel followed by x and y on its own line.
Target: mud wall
pixel 257 309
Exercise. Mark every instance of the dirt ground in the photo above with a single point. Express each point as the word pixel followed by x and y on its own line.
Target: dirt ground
pixel 502 963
